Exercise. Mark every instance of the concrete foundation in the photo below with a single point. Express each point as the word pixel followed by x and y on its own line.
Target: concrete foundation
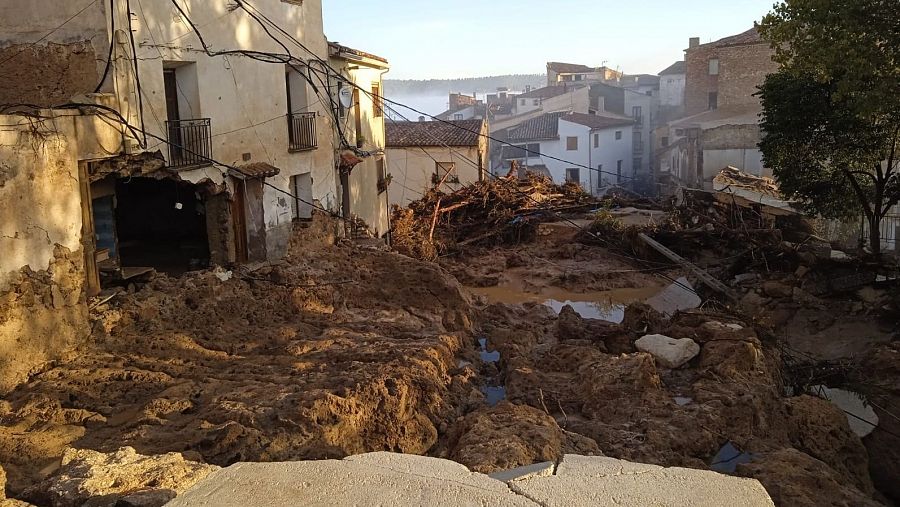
pixel 397 479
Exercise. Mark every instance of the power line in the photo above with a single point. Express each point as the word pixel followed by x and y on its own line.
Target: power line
pixel 51 32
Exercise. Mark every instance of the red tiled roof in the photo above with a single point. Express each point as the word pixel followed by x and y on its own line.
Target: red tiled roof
pixel 433 133
pixel 338 48
pixel 548 92
pixel 751 36
pixel 596 122
pixel 545 126
pixel 676 68
pixel 568 68
pixel 256 170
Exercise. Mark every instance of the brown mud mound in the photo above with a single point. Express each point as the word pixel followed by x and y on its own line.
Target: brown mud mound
pixel 880 383
pixel 795 479
pixel 119 478
pixel 508 436
pixel 637 410
pixel 332 352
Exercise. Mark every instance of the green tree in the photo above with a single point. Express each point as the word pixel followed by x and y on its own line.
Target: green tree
pixel 831 115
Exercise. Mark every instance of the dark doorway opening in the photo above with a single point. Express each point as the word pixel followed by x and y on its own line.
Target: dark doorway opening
pixel 161 224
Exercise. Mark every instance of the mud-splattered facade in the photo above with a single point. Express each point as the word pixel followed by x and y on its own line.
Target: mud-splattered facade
pixel 192 158
pixel 365 186
pixel 43 276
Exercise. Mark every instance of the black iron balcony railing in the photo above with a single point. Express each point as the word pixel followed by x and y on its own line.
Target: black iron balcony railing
pixel 302 132
pixel 190 142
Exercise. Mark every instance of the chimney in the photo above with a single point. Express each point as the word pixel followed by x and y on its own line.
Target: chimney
pixel 421 118
pixel 527 88
pixel 693 42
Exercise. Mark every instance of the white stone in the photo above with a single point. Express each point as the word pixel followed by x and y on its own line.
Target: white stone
pixel 668 352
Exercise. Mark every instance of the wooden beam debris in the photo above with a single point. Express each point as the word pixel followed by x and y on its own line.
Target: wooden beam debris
pixel 701 274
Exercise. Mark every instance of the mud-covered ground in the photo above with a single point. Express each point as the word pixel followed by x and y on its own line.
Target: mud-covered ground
pixel 340 350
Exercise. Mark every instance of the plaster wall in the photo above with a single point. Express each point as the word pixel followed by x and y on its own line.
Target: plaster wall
pixel 412 169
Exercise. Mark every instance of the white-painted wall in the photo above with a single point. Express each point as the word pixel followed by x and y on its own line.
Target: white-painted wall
pixel 412 168
pixel 609 152
pixel 649 110
pixel 671 90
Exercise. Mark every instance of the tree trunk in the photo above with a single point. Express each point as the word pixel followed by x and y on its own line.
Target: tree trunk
pixel 875 234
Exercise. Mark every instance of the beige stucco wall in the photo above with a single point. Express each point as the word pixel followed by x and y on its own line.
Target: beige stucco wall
pixel 366 201
pixel 245 99
pixel 43 313
pixel 412 169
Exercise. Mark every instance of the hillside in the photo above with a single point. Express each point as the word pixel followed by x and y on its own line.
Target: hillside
pixel 464 85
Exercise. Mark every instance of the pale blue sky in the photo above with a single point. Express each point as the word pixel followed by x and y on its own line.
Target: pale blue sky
pixel 469 38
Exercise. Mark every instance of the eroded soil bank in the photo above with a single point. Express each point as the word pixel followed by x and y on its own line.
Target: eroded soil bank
pixel 342 350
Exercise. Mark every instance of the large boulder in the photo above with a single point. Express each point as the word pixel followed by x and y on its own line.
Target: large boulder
pixel 668 352
pixel 123 477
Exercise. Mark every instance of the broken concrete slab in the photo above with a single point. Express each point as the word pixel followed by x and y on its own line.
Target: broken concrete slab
pixel 545 469
pixel 668 352
pixel 370 479
pixel 397 479
pixel 581 480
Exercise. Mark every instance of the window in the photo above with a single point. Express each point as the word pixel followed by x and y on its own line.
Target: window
pixel 600 168
pixel 649 93
pixel 377 101
pixel 382 176
pixel 445 171
pixel 596 140
pixel 522 102
pixel 713 100
pixel 573 175
pixel 714 67
pixel 295 2
pixel 618 171
pixel 618 135
pixel 536 102
pixel 637 164
pixel 665 141
pixel 638 115
pixel 637 142
pixel 578 77
pixel 571 144
pixel 457 116
pixel 533 150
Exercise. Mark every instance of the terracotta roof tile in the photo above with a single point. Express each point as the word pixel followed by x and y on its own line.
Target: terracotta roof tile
pixel 566 68
pixel 676 68
pixel 545 126
pixel 597 122
pixel 433 133
pixel 256 170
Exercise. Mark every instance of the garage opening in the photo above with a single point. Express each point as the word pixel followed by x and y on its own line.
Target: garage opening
pixel 161 224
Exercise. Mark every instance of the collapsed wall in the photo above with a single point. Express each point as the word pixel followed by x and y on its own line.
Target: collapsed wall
pixel 42 306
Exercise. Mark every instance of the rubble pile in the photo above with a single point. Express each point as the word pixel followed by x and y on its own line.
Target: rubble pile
pixel 490 212
pixel 335 351
pixel 595 381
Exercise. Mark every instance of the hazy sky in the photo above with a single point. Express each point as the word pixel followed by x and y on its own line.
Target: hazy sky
pixel 470 38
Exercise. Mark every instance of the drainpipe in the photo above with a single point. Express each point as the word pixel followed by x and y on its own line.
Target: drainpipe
pixel 590 160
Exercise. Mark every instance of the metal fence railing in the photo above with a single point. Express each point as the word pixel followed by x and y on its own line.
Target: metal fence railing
pixel 890 230
pixel 302 131
pixel 190 142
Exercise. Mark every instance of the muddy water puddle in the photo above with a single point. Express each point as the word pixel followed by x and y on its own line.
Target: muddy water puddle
pixel 603 305
pixel 494 391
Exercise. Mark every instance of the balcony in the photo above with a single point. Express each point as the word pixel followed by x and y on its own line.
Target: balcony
pixel 190 143
pixel 302 132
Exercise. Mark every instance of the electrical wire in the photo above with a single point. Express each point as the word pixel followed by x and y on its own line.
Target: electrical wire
pixel 137 73
pixel 112 40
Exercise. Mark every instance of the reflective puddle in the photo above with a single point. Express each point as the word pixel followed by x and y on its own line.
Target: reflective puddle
pixel 860 414
pixel 728 458
pixel 493 392
pixel 603 305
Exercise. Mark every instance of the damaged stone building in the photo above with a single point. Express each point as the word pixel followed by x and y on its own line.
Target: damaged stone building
pixel 720 126
pixel 155 135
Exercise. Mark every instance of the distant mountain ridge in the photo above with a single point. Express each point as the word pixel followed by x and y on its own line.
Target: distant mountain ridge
pixel 489 84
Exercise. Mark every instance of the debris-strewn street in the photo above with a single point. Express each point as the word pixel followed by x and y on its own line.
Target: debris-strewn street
pixel 341 349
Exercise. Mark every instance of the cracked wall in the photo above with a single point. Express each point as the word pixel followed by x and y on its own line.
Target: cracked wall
pixel 69 59
pixel 43 314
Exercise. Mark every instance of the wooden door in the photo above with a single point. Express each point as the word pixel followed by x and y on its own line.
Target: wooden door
pixel 239 221
pixel 88 237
